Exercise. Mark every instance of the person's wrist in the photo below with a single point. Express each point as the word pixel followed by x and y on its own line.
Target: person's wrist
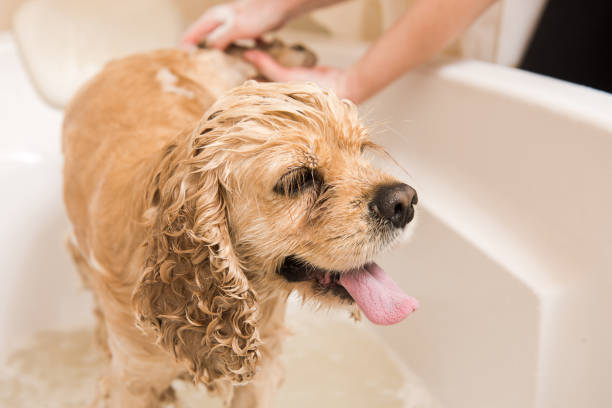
pixel 274 12
pixel 289 8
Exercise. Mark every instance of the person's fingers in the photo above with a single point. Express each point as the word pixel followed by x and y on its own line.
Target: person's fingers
pixel 198 30
pixel 333 79
pixel 221 37
pixel 217 25
pixel 267 66
pixel 227 31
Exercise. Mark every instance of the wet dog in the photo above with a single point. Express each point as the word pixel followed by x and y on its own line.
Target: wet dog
pixel 198 203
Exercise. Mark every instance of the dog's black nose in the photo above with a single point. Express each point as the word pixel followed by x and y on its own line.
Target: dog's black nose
pixel 394 203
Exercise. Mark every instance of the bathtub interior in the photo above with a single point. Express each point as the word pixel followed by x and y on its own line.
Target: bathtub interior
pixel 508 259
pixel 517 166
pixel 46 347
pixel 511 255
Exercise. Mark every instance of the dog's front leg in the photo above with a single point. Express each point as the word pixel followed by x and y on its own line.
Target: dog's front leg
pixel 260 391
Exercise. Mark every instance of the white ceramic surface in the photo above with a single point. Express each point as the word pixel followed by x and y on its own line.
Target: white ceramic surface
pixel 65 41
pixel 512 263
pixel 510 260
pixel 39 287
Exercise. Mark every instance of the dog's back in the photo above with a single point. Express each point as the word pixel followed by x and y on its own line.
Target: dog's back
pixel 123 116
pixel 113 130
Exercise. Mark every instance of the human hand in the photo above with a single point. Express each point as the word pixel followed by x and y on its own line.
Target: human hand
pixel 225 23
pixel 334 79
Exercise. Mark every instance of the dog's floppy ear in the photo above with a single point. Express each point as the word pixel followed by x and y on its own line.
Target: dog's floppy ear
pixel 193 291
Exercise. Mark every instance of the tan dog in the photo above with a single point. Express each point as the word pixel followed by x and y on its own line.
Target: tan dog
pixel 195 214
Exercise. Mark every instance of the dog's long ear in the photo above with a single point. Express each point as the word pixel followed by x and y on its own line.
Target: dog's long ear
pixel 193 291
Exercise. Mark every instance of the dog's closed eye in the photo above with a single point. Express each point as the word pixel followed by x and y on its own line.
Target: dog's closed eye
pixel 297 181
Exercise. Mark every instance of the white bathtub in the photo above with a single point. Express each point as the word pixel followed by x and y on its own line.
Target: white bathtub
pixel 512 258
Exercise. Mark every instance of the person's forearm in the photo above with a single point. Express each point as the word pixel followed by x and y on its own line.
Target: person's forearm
pixel 423 31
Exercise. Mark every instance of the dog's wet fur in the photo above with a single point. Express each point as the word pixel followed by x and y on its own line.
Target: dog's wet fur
pixel 196 213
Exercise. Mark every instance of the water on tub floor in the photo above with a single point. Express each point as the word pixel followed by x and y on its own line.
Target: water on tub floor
pixel 330 362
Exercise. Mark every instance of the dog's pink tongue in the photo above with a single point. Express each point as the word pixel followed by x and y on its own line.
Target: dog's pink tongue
pixel 378 297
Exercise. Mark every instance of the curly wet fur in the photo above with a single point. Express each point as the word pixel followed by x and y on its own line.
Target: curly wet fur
pixel 179 232
pixel 193 290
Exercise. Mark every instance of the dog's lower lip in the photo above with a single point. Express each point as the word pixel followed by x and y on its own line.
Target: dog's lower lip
pixel 294 269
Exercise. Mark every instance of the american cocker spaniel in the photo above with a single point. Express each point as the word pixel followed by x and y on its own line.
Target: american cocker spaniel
pixel 199 202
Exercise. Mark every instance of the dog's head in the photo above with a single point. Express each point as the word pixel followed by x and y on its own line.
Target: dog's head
pixel 273 191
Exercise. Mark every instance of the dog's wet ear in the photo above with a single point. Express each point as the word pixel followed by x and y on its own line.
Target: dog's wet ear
pixel 200 141
pixel 198 145
pixel 154 194
pixel 193 292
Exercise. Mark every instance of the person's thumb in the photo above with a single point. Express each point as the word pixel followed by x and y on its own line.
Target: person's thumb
pixel 267 66
pixel 198 30
pixel 216 25
pixel 222 36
